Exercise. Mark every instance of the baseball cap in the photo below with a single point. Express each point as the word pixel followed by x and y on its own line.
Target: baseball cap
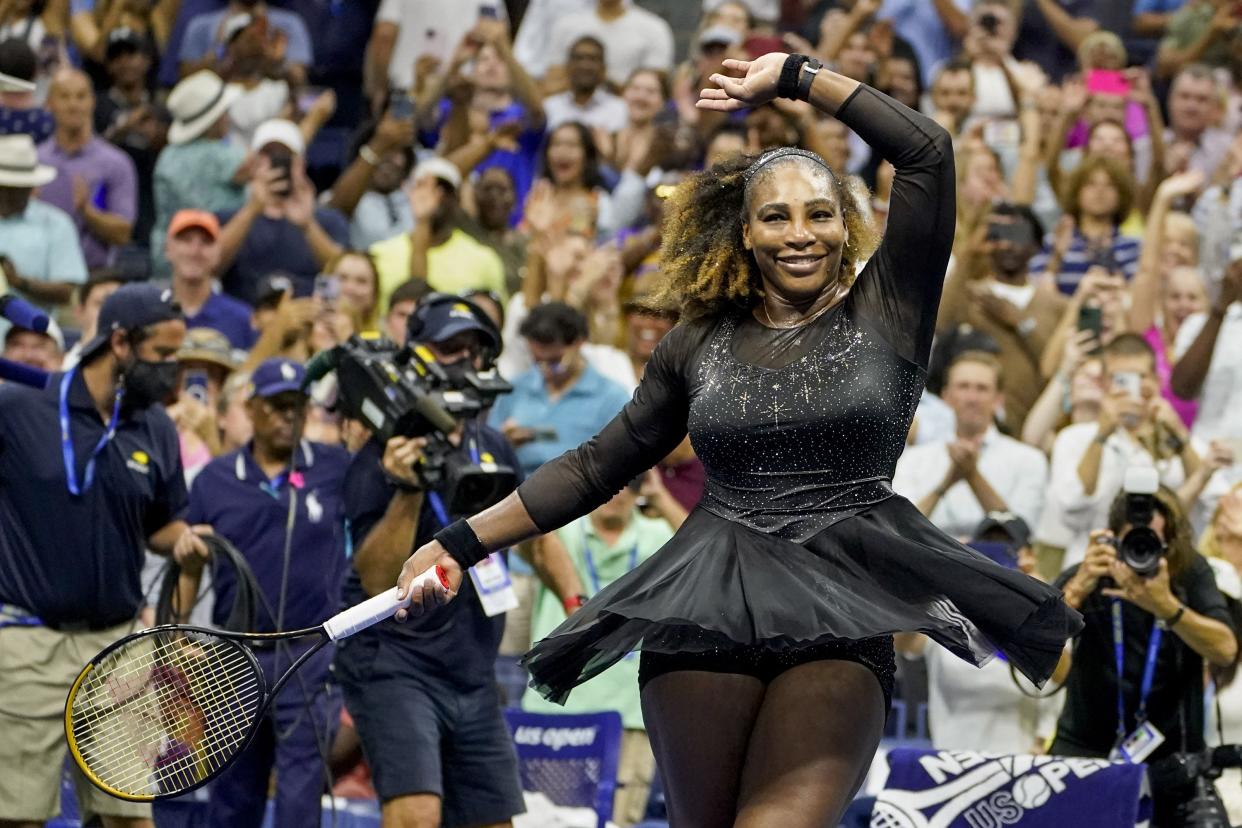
pixel 129 308
pixel 279 131
pixel 1011 525
pixel 439 168
pixel 123 39
pixel 438 321
pixel 276 376
pixel 271 287
pixel 720 34
pixel 185 219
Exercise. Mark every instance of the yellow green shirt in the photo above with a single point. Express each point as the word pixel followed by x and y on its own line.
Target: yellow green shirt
pixel 462 263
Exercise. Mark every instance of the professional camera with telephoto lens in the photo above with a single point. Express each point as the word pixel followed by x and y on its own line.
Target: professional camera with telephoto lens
pixel 406 392
pixel 1189 779
pixel 1140 548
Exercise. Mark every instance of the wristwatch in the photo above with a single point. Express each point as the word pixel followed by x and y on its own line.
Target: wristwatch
pixel 1175 617
pixel 809 70
pixel 573 603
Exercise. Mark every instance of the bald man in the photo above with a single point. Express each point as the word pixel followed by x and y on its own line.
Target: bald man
pixel 96 182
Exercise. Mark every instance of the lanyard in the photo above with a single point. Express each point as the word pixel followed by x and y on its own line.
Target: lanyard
pixel 66 438
pixel 437 504
pixel 1149 670
pixel 589 559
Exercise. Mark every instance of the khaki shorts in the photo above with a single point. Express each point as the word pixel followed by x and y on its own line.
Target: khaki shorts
pixel 634 773
pixel 37 667
pixel 516 639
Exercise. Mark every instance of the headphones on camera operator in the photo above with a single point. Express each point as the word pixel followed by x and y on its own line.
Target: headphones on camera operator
pixel 416 325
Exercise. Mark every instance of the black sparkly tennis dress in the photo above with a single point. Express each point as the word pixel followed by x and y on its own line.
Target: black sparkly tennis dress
pixel 799 542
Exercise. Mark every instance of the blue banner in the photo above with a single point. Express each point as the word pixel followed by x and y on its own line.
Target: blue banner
pixel 959 789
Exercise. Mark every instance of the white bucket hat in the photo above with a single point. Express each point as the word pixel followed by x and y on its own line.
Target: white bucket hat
pixel 196 103
pixel 19 163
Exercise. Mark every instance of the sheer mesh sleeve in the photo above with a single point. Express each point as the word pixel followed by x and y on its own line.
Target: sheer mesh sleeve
pixel 647 429
pixel 899 289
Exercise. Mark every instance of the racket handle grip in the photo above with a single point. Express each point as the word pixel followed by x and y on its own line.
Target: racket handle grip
pixel 376 609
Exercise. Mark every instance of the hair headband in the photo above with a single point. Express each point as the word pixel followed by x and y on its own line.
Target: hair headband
pixel 779 153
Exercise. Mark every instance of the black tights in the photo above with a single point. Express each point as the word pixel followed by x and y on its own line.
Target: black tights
pixel 736 751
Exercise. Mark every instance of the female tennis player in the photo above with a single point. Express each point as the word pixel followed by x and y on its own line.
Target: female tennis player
pixel 765 623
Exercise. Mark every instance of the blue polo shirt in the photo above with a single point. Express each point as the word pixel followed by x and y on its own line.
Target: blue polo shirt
pixel 250 511
pixel 77 558
pixel 277 244
pixel 458 642
pixel 228 316
pixel 577 415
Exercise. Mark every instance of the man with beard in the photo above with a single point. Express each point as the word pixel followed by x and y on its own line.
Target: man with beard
pixel 280 505
pixel 90 474
pixel 1006 305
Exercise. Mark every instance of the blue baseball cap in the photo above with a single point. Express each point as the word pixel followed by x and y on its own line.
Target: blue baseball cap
pixel 276 376
pixel 443 318
pixel 130 308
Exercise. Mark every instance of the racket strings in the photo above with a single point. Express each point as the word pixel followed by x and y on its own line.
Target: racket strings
pixel 165 711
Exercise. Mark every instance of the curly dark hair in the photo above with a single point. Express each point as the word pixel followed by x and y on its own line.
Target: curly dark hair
pixel 705 266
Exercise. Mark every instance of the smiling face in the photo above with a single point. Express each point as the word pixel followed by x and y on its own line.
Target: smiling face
pixel 358 282
pixel 644 96
pixel 795 229
pixel 1108 138
pixel 566 156
pixel 1183 295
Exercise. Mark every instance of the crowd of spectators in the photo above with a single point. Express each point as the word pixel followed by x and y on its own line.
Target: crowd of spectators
pixel 301 171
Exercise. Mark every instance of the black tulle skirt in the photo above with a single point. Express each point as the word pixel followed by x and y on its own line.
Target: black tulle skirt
pixel 718 585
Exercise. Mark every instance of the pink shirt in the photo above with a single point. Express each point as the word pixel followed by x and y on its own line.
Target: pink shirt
pixel 1186 409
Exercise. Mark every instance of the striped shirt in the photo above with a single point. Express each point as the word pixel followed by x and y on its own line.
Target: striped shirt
pixel 1121 255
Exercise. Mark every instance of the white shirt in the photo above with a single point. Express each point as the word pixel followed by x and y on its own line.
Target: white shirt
pixel 1078 513
pixel 765 10
pixel 981 708
pixel 533 42
pixel 637 39
pixel 1018 473
pixel 603 110
pixel 515 360
pixel 264 102
pixel 428 27
pixel 937 423
pixel 1220 398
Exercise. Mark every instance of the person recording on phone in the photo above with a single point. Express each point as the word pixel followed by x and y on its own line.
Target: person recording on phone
pixel 1153 617
pixel 1136 426
pixel 279 501
pixel 90 476
pixel 433 680
pixel 280 227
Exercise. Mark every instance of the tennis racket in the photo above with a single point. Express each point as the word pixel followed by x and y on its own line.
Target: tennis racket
pixel 165 710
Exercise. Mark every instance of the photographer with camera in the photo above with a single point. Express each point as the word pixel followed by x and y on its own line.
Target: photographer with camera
pixel 1153 616
pixel 431 680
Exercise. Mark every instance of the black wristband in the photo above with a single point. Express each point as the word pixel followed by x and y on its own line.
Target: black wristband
pixel 787 86
pixel 462 544
pixel 1177 616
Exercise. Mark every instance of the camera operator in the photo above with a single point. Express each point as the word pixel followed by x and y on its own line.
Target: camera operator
pixel 90 474
pixel 423 694
pixel 1154 627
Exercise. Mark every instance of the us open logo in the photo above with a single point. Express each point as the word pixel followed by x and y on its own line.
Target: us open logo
pixel 140 462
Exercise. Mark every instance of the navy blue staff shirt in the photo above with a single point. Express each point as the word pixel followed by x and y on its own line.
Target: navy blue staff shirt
pixel 457 642
pixel 70 558
pixel 250 511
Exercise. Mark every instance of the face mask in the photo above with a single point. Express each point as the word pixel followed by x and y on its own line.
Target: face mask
pixel 147 383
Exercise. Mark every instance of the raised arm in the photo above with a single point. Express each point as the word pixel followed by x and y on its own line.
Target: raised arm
pixel 899 289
